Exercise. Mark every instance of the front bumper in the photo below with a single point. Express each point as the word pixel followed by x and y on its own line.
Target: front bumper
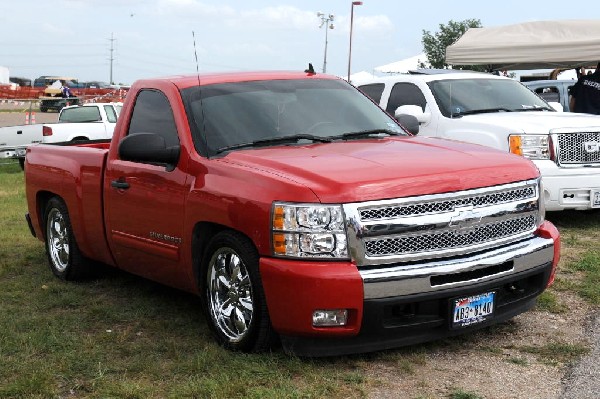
pixel 401 304
pixel 400 321
pixel 568 187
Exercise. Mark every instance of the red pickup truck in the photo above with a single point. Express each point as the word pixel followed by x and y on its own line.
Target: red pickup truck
pixel 297 210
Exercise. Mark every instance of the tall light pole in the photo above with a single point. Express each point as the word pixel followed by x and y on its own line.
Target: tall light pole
pixel 325 20
pixel 354 3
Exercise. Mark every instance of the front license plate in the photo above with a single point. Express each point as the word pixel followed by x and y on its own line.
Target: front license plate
pixel 473 309
pixel 595 199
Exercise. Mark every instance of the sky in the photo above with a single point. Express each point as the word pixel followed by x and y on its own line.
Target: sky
pixel 156 37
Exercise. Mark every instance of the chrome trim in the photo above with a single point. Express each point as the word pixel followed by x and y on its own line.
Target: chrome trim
pixel 460 220
pixel 407 279
pixel 554 136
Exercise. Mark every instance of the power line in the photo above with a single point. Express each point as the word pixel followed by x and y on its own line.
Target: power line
pixel 112 40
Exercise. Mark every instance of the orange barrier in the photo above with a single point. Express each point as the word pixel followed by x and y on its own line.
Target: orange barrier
pixel 26 94
pixel 30 118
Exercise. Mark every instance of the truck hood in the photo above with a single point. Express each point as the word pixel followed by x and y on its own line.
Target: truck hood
pixel 535 121
pixel 365 170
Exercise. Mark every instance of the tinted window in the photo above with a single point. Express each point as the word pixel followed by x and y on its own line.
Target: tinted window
pixel 231 114
pixel 457 97
pixel 80 114
pixel 548 93
pixel 152 113
pixel 405 94
pixel 373 90
pixel 111 115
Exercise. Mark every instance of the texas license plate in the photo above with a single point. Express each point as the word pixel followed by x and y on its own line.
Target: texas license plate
pixel 595 199
pixel 473 309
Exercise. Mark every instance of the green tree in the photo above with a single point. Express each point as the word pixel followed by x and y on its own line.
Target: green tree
pixel 434 45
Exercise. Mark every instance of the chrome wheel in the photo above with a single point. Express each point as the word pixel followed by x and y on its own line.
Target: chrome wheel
pixel 57 236
pixel 230 300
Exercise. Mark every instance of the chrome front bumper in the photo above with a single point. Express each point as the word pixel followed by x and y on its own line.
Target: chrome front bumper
pixel 426 277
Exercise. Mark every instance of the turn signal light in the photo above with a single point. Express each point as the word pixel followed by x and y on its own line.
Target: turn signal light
pixel 515 144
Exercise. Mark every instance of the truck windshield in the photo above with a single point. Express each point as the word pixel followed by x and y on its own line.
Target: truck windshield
pixel 458 97
pixel 281 112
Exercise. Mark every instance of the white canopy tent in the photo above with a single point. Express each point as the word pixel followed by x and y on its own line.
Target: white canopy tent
pixel 362 75
pixel 529 45
pixel 403 66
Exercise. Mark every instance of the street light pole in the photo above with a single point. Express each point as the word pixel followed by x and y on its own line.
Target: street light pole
pixel 325 19
pixel 354 3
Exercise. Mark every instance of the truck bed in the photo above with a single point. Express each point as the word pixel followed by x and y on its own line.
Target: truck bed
pixel 73 172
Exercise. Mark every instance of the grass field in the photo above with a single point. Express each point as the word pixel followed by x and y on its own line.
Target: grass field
pixel 121 336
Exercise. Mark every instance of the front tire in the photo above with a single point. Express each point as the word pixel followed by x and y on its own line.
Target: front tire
pixel 232 294
pixel 64 256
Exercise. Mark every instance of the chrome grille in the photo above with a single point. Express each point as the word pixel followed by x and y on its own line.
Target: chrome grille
pixel 447 205
pixel 440 226
pixel 571 148
pixel 448 239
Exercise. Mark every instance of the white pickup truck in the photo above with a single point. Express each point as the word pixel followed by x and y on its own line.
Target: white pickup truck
pixel 500 112
pixel 92 121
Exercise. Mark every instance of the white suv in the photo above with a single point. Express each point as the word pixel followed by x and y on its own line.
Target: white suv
pixel 502 113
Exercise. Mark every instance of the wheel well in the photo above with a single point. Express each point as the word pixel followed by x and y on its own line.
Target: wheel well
pixel 80 138
pixel 203 232
pixel 42 199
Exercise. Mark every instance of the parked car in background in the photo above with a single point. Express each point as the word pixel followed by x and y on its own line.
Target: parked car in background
pixel 501 113
pixel 91 121
pixel 552 90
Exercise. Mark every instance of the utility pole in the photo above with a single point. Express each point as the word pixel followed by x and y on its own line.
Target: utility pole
pixel 325 21
pixel 111 59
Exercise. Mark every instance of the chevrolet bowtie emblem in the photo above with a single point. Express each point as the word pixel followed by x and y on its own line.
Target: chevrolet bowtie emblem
pixel 464 218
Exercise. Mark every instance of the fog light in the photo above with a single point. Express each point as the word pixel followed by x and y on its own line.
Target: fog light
pixel 330 317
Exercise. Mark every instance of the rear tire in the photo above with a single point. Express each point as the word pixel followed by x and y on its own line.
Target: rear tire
pixel 22 163
pixel 64 257
pixel 232 294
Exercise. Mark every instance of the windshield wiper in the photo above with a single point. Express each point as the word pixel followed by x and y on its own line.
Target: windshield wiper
pixel 534 109
pixel 276 140
pixel 481 111
pixel 366 133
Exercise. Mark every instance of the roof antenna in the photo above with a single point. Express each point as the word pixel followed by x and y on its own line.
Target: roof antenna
pixel 200 92
pixel 310 69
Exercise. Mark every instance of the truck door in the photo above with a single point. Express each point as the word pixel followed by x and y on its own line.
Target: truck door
pixel 144 203
pixel 406 93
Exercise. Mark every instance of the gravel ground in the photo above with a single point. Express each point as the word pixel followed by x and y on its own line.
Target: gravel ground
pixel 583 382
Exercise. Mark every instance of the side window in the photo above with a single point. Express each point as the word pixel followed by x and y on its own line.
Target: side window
pixel 80 114
pixel 111 115
pixel 405 94
pixel 548 93
pixel 374 91
pixel 152 113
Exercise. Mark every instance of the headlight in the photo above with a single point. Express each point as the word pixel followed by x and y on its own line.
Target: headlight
pixel 532 146
pixel 541 202
pixel 308 230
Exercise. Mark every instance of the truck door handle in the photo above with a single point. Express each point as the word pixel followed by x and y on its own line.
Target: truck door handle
pixel 120 184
